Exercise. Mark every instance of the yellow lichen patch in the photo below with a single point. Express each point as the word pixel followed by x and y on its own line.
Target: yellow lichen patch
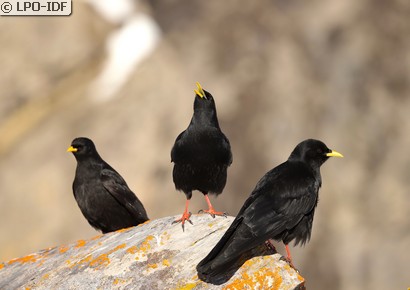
pixel 300 278
pixel 96 237
pixel 122 246
pixel 80 243
pixel 118 281
pixel 144 223
pixel 63 249
pixel 27 259
pixel 188 286
pixel 164 237
pixel 141 248
pixel 166 263
pixel 45 276
pixel 211 224
pixel 123 230
pixel 264 278
pixel 101 261
pixel 152 266
pixel 132 250
pixel 85 260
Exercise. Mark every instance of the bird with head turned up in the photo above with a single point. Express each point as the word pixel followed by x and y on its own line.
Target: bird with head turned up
pixel 201 155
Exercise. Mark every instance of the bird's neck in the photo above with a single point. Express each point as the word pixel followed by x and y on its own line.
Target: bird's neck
pixel 318 176
pixel 313 167
pixel 202 118
pixel 89 162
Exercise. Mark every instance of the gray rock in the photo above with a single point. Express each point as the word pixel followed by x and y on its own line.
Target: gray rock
pixel 155 255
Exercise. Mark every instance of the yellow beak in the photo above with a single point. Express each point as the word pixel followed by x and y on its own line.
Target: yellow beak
pixel 334 154
pixel 72 149
pixel 200 92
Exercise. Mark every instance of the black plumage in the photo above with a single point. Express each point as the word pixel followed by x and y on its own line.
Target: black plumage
pixel 201 154
pixel 101 193
pixel 281 207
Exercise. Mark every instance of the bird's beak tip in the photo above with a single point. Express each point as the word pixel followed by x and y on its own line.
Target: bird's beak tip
pixel 199 91
pixel 334 153
pixel 72 149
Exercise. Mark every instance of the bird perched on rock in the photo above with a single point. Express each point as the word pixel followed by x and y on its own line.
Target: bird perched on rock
pixel 101 193
pixel 281 207
pixel 201 155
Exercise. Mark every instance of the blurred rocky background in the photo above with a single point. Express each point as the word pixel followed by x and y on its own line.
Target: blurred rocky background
pixel 123 74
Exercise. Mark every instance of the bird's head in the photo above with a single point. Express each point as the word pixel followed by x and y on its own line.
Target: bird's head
pixel 204 107
pixel 313 152
pixel 203 99
pixel 82 148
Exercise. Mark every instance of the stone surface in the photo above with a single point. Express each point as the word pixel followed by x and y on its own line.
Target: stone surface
pixel 155 255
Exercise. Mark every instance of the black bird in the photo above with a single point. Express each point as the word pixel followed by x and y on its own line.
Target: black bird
pixel 281 207
pixel 101 193
pixel 201 155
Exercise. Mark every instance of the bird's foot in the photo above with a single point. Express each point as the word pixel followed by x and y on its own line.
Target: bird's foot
pixel 185 217
pixel 289 261
pixel 213 213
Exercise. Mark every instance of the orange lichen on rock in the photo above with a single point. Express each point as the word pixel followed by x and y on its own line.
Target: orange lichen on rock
pixel 144 223
pixel 85 260
pixel 132 250
pixel 188 286
pixel 142 248
pixel 264 278
pixel 152 266
pixel 96 237
pixel 123 230
pixel 27 259
pixel 80 243
pixel 145 245
pixel 63 249
pixel 118 281
pixel 1 266
pixel 122 246
pixel 211 224
pixel 164 237
pixel 101 261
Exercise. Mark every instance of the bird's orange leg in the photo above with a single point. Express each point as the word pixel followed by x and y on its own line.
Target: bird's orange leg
pixel 289 257
pixel 185 216
pixel 211 209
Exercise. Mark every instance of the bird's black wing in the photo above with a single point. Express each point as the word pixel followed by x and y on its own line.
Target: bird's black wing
pixel 227 146
pixel 176 152
pixel 118 188
pixel 275 205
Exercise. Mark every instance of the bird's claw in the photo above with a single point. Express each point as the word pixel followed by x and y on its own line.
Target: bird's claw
pixel 185 217
pixel 289 261
pixel 213 213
